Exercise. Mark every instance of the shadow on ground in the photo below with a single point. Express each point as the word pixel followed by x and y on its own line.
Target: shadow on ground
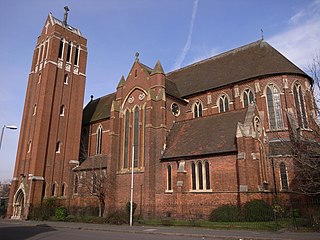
pixel 19 232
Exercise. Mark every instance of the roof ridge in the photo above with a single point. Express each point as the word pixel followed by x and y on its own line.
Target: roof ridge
pixel 218 55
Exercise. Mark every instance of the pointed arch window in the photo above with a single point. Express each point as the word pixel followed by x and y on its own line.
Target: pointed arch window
pixel 169 178
pixel 29 146
pixel 69 52
pixel 136 137
pixel 66 79
pixel 126 139
pixel 94 183
pixel 63 189
pixel 248 97
pixel 223 103
pixel 300 106
pixel 76 56
pixel 62 110
pixel 200 176
pixel 274 107
pixel 99 140
pixel 76 184
pixel 197 109
pixel 207 167
pixel 58 147
pixel 53 190
pixel 61 48
pixel 34 109
pixel 283 176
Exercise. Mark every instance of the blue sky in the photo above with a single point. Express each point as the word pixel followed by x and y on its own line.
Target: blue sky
pixel 176 32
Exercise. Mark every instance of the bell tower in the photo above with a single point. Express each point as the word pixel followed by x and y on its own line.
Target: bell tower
pixel 51 124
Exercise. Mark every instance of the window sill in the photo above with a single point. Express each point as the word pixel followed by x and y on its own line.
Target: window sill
pixel 169 191
pixel 201 191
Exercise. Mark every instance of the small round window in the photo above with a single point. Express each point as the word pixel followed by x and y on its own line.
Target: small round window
pixel 175 109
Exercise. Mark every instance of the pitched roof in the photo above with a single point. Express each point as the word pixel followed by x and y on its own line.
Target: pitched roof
pixel 98 109
pixel 93 162
pixel 213 134
pixel 250 61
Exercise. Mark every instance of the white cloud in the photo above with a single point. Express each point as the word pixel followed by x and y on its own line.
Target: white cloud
pixel 186 48
pixel 300 42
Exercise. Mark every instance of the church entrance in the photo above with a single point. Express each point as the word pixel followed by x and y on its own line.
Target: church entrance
pixel 18 205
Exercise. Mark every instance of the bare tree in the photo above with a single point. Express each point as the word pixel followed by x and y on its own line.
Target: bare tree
pixel 314 69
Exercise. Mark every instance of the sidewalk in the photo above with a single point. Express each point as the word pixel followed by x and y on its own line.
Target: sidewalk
pixel 177 231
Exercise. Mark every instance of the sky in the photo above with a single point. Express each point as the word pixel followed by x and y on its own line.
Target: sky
pixel 176 32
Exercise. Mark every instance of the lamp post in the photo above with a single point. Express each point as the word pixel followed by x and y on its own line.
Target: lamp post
pixel 12 127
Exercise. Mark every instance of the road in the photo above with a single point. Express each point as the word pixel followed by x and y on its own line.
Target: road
pixel 44 232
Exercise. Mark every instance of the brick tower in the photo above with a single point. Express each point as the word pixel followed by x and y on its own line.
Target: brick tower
pixel 50 131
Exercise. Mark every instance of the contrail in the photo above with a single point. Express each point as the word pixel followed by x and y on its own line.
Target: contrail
pixel 186 48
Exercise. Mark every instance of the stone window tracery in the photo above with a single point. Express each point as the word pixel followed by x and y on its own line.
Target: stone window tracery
pixel 274 107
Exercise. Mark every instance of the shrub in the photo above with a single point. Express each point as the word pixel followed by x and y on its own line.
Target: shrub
pixel 225 213
pixel 61 213
pixel 118 217
pixel 257 210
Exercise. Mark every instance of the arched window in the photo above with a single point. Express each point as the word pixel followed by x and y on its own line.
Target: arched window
pixel 274 107
pixel 29 146
pixel 62 110
pixel 99 140
pixel 193 176
pixel 76 56
pixel 207 167
pixel 169 180
pixel 283 176
pixel 69 51
pixel 76 184
pixel 53 190
pixel 223 103
pixel 34 109
pixel 61 48
pixel 94 183
pixel 200 175
pixel 300 106
pixel 58 147
pixel 248 97
pixel 197 109
pixel 136 137
pixel 63 190
pixel 66 79
pixel 126 139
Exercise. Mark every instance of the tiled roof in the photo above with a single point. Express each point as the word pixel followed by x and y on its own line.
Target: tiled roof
pixel 250 61
pixel 213 134
pixel 93 162
pixel 98 109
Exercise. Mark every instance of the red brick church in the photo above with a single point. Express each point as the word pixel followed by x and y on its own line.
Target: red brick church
pixel 197 137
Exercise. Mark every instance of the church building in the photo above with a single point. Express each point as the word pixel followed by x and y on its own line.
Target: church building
pixel 191 139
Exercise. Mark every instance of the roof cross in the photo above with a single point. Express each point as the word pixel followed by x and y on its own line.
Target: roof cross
pixel 65 17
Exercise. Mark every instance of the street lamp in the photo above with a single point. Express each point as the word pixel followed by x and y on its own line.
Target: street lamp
pixel 12 127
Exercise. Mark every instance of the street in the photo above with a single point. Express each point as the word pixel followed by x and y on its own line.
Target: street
pixel 42 231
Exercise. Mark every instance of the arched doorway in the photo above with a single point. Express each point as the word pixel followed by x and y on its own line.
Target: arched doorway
pixel 18 204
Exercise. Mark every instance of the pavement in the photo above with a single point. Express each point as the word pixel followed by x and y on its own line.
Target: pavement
pixel 175 231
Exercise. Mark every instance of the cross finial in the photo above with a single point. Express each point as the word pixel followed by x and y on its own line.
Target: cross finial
pixel 137 56
pixel 65 17
pixel 262 37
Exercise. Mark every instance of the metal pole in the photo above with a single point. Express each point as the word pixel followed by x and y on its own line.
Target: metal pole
pixel 131 194
pixel 4 126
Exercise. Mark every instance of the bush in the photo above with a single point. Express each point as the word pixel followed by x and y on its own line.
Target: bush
pixel 257 210
pixel 225 213
pixel 118 218
pixel 61 213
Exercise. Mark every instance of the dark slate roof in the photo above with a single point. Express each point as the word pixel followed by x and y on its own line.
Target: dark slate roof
pixel 98 109
pixel 215 134
pixel 93 162
pixel 250 61
pixel 280 147
pixel 172 90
